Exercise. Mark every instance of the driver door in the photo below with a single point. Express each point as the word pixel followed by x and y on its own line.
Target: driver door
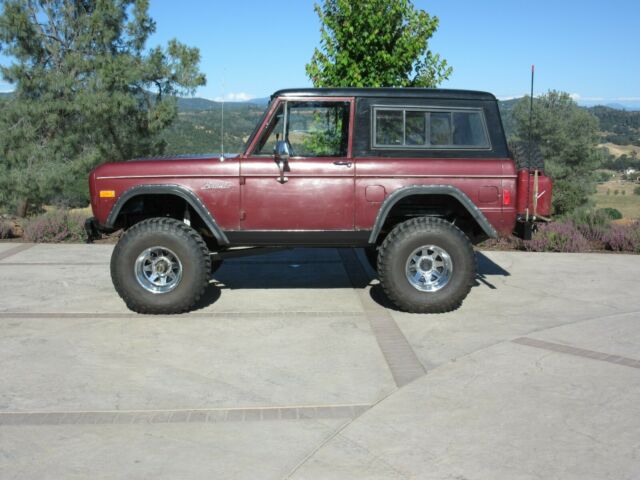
pixel 315 189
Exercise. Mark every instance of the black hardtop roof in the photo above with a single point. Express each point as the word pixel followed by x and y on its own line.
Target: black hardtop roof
pixel 396 92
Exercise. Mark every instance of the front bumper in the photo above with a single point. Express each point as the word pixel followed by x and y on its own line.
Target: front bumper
pixel 93 229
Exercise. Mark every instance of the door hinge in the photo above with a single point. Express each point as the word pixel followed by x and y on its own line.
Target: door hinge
pixel 243 214
pixel 243 180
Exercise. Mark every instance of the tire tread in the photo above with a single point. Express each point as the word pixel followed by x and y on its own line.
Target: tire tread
pixel 165 225
pixel 401 231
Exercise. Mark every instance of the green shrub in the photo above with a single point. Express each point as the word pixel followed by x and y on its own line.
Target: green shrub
pixel 55 227
pixel 636 191
pixel 611 213
pixel 616 192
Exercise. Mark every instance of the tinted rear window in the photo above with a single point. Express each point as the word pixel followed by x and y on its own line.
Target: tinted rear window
pixel 428 128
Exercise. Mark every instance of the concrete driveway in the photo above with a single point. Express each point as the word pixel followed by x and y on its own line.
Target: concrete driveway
pixel 294 366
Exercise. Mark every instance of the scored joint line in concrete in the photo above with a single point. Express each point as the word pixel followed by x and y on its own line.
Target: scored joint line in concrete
pixel 51 264
pixel 400 357
pixel 213 415
pixel 579 352
pixel 15 250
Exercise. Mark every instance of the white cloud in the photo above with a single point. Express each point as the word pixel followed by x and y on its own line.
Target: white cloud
pixel 575 97
pixel 234 97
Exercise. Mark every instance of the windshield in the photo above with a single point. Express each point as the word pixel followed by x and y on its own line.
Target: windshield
pixel 255 129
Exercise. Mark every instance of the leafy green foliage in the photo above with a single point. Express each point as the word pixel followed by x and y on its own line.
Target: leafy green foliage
pixel 375 43
pixel 567 137
pixel 612 213
pixel 622 162
pixel 87 91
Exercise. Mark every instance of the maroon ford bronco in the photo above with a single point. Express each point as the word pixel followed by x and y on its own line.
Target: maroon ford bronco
pixel 414 176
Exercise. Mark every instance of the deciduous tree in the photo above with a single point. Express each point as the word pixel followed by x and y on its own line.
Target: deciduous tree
pixel 375 43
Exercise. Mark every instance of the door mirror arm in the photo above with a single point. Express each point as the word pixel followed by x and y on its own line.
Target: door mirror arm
pixel 281 155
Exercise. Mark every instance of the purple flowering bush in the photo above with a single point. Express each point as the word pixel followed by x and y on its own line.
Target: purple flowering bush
pixel 55 227
pixel 623 238
pixel 557 237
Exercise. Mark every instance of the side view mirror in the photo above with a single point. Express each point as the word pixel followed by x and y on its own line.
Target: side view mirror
pixel 282 150
pixel 281 154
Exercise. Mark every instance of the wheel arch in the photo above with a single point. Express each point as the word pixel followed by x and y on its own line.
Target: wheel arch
pixel 176 191
pixel 452 192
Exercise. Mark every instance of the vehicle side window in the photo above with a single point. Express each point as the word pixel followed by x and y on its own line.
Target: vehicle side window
pixel 423 128
pixel 440 128
pixel 313 129
pixel 468 129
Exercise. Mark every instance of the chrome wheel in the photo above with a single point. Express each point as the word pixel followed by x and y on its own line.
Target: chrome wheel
pixel 158 270
pixel 429 268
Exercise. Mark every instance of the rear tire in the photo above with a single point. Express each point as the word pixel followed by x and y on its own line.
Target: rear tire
pixel 426 265
pixel 160 266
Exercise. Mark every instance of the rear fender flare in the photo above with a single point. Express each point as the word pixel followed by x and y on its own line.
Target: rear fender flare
pixel 449 190
pixel 176 190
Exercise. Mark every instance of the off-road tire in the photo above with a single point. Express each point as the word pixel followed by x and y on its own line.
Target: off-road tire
pixel 399 245
pixel 526 155
pixel 190 249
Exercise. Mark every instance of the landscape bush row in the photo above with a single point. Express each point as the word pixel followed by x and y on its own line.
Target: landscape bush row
pixel 51 227
pixel 585 230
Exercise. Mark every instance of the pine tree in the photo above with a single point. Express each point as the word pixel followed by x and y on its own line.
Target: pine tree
pixel 87 90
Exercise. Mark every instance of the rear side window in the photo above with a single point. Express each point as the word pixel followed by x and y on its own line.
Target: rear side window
pixel 428 128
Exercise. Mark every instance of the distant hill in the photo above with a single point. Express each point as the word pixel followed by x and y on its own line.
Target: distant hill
pixel 197 128
pixel 620 127
pixel 196 104
pixel 198 131
pixel 617 126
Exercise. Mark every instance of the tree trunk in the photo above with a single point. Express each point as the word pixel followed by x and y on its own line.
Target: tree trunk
pixel 22 207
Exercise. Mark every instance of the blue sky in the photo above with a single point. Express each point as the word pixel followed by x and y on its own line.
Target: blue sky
pixel 251 48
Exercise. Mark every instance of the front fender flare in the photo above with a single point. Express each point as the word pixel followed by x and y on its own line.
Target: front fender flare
pixel 177 190
pixel 449 190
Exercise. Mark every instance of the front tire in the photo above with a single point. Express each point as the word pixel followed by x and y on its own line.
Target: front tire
pixel 160 266
pixel 426 265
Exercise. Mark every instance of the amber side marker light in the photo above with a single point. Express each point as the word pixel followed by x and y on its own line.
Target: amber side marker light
pixel 107 194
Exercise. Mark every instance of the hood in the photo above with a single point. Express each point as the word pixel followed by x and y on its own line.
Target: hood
pixel 170 166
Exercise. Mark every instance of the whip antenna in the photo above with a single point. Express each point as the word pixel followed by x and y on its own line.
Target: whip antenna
pixel 222 123
pixel 533 69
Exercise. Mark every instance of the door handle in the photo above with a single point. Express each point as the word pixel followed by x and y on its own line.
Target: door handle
pixel 344 164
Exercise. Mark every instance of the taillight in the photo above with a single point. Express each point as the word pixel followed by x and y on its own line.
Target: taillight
pixel 506 197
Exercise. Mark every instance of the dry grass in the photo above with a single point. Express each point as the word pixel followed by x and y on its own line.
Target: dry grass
pixel 628 204
pixel 617 150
